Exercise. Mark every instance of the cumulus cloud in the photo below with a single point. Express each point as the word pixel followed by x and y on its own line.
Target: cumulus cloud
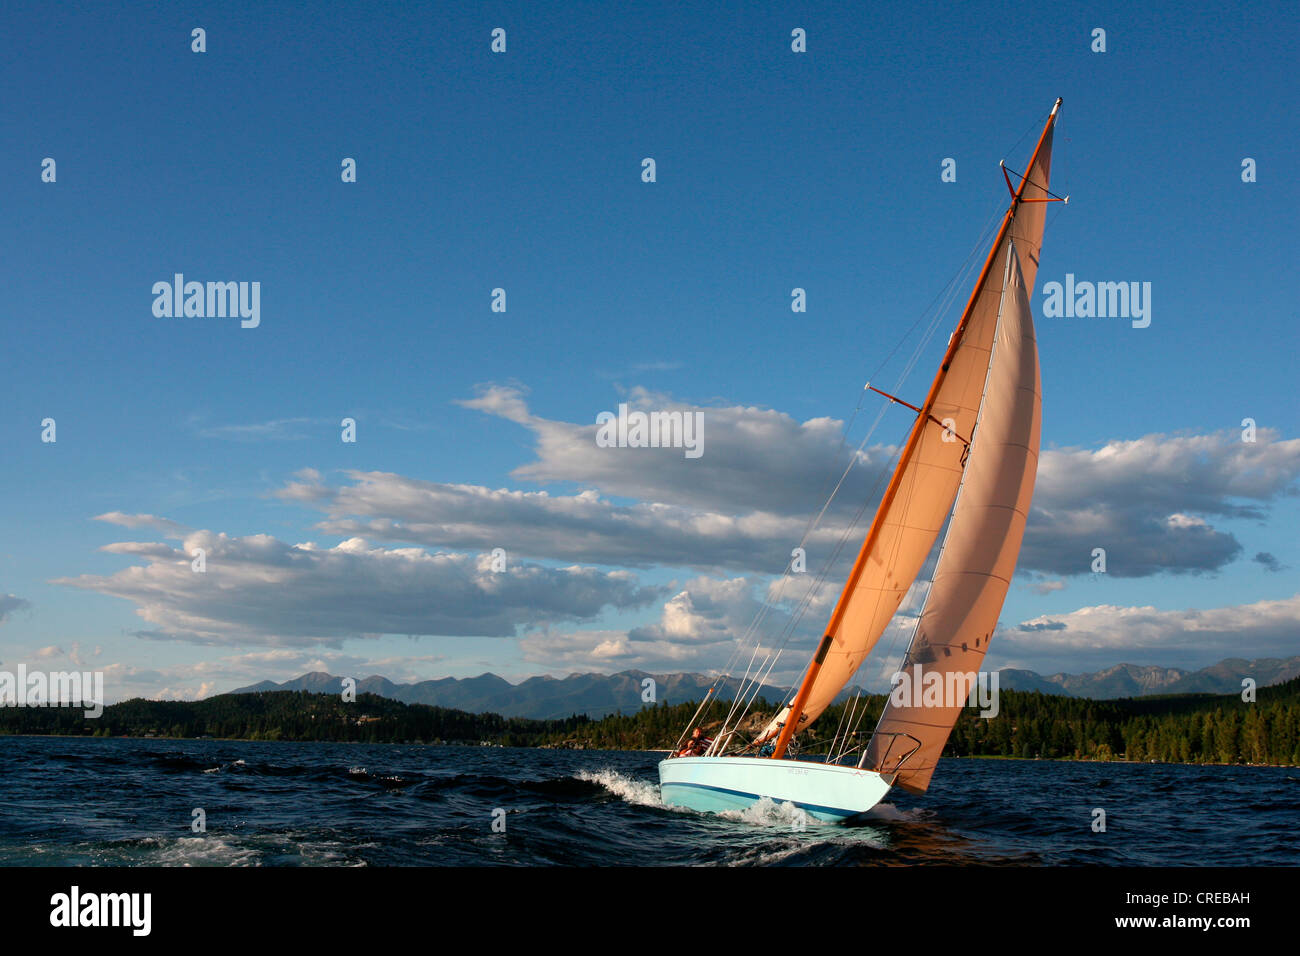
pixel 579 527
pixel 732 516
pixel 258 589
pixel 1148 502
pixel 124 681
pixel 1043 626
pixel 696 629
pixel 1041 585
pixel 1108 634
pixel 754 460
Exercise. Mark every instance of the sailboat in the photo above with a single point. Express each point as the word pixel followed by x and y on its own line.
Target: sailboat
pixel 969 462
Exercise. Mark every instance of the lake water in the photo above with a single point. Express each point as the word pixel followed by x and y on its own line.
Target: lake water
pixel 75 801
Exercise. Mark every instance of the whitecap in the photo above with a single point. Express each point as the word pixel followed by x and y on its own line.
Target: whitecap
pixel 628 789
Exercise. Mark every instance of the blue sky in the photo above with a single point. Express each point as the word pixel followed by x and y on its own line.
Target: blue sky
pixel 522 171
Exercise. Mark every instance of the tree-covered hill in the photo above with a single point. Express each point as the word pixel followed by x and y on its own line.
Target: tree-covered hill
pixel 1197 728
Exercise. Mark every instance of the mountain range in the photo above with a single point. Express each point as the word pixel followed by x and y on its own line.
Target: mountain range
pixel 542 698
pixel 1133 680
pixel 599 695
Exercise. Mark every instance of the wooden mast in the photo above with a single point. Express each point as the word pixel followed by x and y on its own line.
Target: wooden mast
pixel 922 419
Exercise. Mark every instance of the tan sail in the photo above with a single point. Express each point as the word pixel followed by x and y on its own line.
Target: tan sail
pixel 921 493
pixel 978 558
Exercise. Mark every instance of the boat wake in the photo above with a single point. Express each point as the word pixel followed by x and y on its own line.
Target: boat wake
pixel 769 813
pixel 640 793
pixel 891 813
pixel 766 813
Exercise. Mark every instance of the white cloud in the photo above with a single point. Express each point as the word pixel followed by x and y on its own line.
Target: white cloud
pixel 260 590
pixel 742 506
pixel 754 460
pixel 1149 502
pixel 1045 585
pixel 578 527
pixel 696 630
pixel 1146 502
pixel 1108 634
pixel 171 528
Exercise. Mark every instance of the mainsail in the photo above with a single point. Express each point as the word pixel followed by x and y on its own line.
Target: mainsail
pixel 978 557
pixel 925 483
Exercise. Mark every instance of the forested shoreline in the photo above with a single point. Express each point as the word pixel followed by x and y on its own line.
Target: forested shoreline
pixel 1196 729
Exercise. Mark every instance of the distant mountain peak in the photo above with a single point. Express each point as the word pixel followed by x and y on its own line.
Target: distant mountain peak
pixel 598 695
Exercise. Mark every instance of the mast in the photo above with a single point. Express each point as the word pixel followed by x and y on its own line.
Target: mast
pixel 923 419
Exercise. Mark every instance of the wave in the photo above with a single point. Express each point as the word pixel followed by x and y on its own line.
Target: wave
pixel 197 851
pixel 639 793
pixel 768 813
pixel 887 811
pixel 326 804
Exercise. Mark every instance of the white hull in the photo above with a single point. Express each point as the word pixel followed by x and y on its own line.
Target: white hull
pixel 825 791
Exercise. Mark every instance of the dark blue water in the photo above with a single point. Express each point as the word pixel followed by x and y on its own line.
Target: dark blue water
pixel 129 802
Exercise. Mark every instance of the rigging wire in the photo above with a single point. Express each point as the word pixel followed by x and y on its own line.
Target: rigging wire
pixel 944 298
pixel 806 602
pixel 891 648
pixel 849 724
